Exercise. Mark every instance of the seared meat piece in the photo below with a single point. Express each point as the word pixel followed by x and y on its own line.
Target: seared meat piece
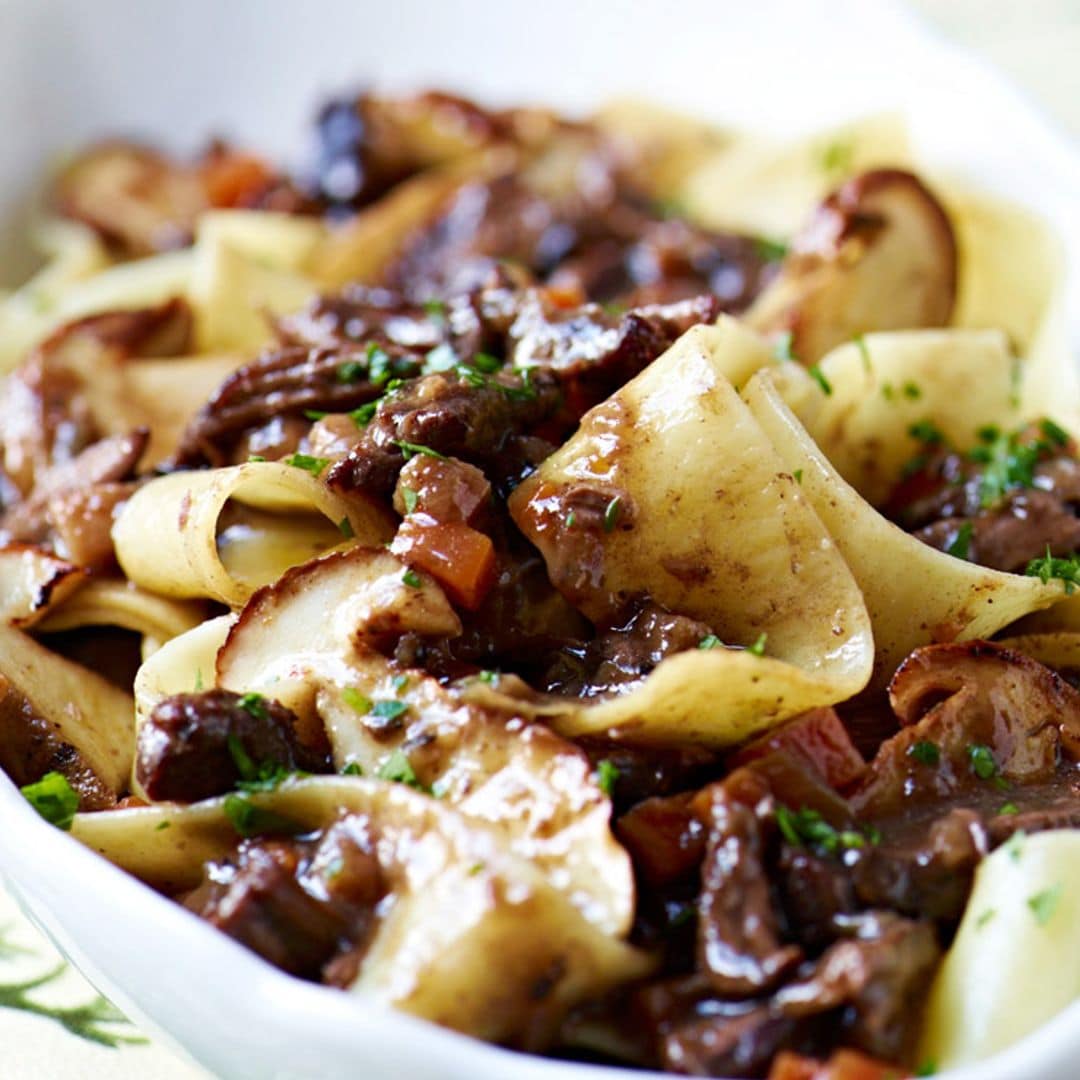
pixel 878 976
pixel 306 906
pixel 814 890
pixel 665 838
pixel 739 946
pixel 1002 504
pixel 195 746
pixel 442 489
pixel 628 651
pixel 282 383
pixel 450 416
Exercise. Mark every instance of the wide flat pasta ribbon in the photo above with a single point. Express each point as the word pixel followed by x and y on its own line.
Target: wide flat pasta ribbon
pixel 717 528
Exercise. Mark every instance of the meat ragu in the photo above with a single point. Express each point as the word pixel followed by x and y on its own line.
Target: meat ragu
pixel 762 897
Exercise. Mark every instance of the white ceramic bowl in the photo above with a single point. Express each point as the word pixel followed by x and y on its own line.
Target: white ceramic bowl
pixel 70 71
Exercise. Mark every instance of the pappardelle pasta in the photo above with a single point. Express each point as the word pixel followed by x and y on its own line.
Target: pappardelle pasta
pixel 604 586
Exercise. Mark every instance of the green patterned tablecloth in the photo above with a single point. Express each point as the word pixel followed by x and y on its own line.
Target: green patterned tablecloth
pixel 55 1026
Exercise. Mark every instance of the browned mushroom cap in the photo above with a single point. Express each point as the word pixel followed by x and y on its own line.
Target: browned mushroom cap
pixel 136 198
pixel 878 254
pixel 973 713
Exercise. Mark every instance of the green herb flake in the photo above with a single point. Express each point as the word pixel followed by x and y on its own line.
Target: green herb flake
pixel 198 680
pixel 398 769
pixel 798 476
pixel 607 772
pixel 818 376
pixel 256 458
pixel 254 705
pixel 926 431
pixel 334 868
pixel 1015 845
pixel 489 677
pixel 926 1068
pixel 412 579
pixel 768 249
pixel 355 700
pixel 1009 809
pixel 1067 571
pixel 486 363
pixel 379 364
pixel 924 752
pixel 985 917
pixel 410 450
pixel 711 641
pixel 351 371
pixel 248 819
pixel 782 347
pixel 315 414
pixel 436 309
pixel 864 352
pixel 982 761
pixel 570 519
pixel 388 709
pixel 1057 435
pixel 54 799
pixel 346 529
pixel 477 868
pixel 353 768
pixel 409 498
pixel 836 158
pixel 808 827
pixel 399 683
pixel 912 391
pixel 1044 904
pixel 961 543
pixel 162 825
pixel 758 647
pixel 611 513
pixel 888 392
pixel 308 463
pixel 362 416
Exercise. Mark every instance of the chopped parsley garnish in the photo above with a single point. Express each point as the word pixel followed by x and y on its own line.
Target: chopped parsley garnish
pixel 265 776
pixel 1044 904
pixel 926 1068
pixel 254 705
pixel 807 826
pixel 607 773
pixel 985 917
pixel 1015 845
pixel 313 465
pixel 961 544
pixel 256 457
pixel 409 498
pixel 570 519
pixel 758 648
pixel 251 820
pixel 1065 570
pixel 486 362
pixel 982 761
pixel 388 709
pixel 198 680
pixel 798 476
pixel 768 249
pixel 489 677
pixel 887 391
pixel 711 641
pixel 1016 379
pixel 361 416
pixel 352 768
pixel 818 376
pixel 924 752
pixel 399 683
pixel 864 352
pixel 54 799
pixel 412 579
pixel 162 825
pixel 410 450
pixel 380 364
pixel 782 347
pixel 477 868
pixel 346 529
pixel 398 769
pixel 351 371
pixel 435 308
pixel 926 431
pixel 315 414
pixel 355 700
pixel 1008 462
pixel 611 513
pixel 476 379
pixel 1009 808
pixel 836 157
pixel 912 391
pixel 441 358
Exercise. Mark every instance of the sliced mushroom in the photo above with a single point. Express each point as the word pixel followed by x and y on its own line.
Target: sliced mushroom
pixel 878 254
pixel 308 640
pixel 55 714
pixel 32 581
pixel 471 936
pixel 990 713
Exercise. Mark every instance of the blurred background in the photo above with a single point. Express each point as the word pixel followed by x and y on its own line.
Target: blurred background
pixel 1036 43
